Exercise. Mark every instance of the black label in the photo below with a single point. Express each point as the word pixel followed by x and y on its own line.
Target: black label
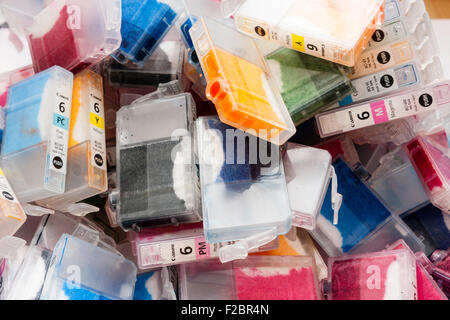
pixel 260 31
pixel 425 100
pixel 98 160
pixel 384 57
pixel 57 162
pixel 378 36
pixel 8 195
pixel 387 81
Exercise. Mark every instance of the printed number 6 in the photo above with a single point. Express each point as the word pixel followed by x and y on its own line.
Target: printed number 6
pixel 62 107
pixel 312 47
pixel 363 116
pixel 187 250
pixel 96 107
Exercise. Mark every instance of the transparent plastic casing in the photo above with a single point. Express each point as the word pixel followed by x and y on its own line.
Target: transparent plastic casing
pixel 397 184
pixel 19 14
pixel 362 216
pixel 307 84
pixel 239 83
pixel 155 285
pixel 12 215
pixel 432 165
pixel 255 278
pixel 91 263
pixel 427 288
pixel 392 107
pixel 385 275
pixel 160 157
pixel 31 274
pixel 164 65
pixel 86 171
pixel 144 25
pixel 228 7
pixel 332 30
pixel 37 128
pixel 243 191
pixel 74 34
pixel 155 246
pixel 308 174
pixel 341 146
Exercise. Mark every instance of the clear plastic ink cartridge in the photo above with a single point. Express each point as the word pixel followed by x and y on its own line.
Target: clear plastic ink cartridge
pixel 154 285
pixel 435 222
pixel 255 278
pixel 427 288
pixel 35 141
pixel 332 30
pixel 30 277
pixel 157 247
pixel 144 25
pixel 228 7
pixel 308 174
pixel 12 215
pixel 394 55
pixel 74 34
pixel 432 165
pixel 393 107
pixel 164 65
pixel 397 131
pixel 362 216
pixel 184 24
pixel 159 155
pixel 244 193
pixel 397 184
pixel 239 83
pixel 11 254
pixel 307 84
pixel 341 146
pixel 86 160
pixel 385 275
pixel 80 270
pixel 395 79
pixel 19 14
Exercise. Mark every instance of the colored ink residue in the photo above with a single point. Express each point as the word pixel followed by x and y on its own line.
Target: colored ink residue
pixel 360 213
pixel 241 93
pixel 426 288
pixel 27 113
pixel 148 286
pixel 307 84
pixel 144 24
pixel 73 292
pixel 275 283
pixel 56 46
pixel 365 278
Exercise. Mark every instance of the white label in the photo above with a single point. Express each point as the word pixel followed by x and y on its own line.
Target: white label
pixel 387 33
pixel 6 192
pixel 396 107
pixel 179 251
pixel 59 136
pixel 300 43
pixel 97 128
pixel 381 83
pixel 381 58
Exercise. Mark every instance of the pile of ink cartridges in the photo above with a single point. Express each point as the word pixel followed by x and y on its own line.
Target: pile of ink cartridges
pixel 234 149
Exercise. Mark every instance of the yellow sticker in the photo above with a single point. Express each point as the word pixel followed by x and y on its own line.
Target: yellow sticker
pixel 1 172
pixel 97 121
pixel 298 43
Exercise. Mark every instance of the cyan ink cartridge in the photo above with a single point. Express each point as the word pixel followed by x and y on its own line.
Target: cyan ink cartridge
pixel 36 138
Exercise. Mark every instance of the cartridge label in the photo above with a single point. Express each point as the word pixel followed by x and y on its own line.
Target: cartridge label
pixel 381 58
pixel 382 83
pixel 97 129
pixel 372 113
pixel 179 251
pixel 56 165
pixel 388 33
